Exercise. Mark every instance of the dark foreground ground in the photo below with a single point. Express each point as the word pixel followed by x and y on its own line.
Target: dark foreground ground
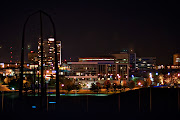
pixel 137 104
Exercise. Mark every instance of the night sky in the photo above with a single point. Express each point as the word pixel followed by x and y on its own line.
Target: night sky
pixel 89 28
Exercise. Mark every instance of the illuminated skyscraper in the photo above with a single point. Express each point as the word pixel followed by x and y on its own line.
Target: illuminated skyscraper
pixel 49 53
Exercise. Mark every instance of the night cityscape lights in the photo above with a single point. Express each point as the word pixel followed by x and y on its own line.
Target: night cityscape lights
pixel 88 59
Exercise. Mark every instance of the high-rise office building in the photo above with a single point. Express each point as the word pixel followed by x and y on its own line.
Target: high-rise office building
pixel 49 53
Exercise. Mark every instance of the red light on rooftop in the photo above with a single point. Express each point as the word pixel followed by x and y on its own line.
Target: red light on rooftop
pixel 32 51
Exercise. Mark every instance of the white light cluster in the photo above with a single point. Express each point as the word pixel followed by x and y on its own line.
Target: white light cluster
pixel 51 39
pixel 96 59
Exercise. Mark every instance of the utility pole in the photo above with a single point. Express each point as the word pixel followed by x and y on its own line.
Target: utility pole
pixel 42 76
pixel 56 60
pixel 22 60
pixel 150 100
pixel 22 56
pixel 38 78
pixel 41 47
pixel 34 79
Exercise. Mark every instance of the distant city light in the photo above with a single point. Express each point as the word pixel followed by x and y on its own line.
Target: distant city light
pixel 33 106
pixel 139 83
pixel 51 39
pixel 62 85
pixel 53 71
pixel 13 88
pixel 168 73
pixel 150 76
pixel 52 102
pixel 156 73
pixel 118 76
pixel 2 65
pixel 29 46
pixel 94 59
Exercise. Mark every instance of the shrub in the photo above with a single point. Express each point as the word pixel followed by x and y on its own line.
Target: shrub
pixel 131 84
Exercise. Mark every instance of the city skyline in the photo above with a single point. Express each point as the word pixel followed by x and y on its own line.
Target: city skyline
pixel 93 29
pixel 81 59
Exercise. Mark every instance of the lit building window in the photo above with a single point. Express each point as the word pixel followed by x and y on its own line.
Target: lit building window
pixel 51 39
pixel 142 64
pixel 144 61
pixel 78 73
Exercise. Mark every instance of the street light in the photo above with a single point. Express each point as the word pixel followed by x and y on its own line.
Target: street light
pixel 156 73
pixel 139 83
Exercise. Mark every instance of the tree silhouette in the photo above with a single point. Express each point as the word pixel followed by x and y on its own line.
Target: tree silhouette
pixel 107 84
pixel 131 84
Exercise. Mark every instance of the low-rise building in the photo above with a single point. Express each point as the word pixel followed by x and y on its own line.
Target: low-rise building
pixel 145 63
pixel 99 69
